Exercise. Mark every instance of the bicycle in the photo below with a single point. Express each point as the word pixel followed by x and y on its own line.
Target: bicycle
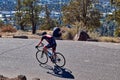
pixel 42 57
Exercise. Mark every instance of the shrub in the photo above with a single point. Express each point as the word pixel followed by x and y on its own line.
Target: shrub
pixel 1 23
pixel 8 28
pixel 94 35
pixel 45 27
pixel 117 32
pixel 69 33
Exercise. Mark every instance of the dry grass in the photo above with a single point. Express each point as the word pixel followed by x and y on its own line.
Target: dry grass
pixel 23 33
pixel 8 28
pixel 94 35
pixel 109 39
pixel 69 33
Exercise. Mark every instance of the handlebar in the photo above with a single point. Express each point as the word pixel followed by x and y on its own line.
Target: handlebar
pixel 40 46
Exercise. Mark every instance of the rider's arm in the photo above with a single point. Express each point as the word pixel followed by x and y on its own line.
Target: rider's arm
pixel 40 41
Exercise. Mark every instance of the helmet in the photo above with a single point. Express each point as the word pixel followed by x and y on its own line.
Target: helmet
pixel 43 33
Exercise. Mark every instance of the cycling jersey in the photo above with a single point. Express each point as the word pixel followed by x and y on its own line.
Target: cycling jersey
pixel 49 39
pixel 52 43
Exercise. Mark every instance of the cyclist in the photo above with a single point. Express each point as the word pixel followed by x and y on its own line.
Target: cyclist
pixel 51 44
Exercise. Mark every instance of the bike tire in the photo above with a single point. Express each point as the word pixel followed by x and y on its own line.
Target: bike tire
pixel 41 57
pixel 60 60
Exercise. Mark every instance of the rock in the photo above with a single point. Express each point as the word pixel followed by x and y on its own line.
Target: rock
pixel 3 78
pixel 76 37
pixel 23 37
pixel 22 77
pixel 82 36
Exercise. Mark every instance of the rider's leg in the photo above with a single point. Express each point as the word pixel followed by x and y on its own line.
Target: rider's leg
pixel 54 51
pixel 45 49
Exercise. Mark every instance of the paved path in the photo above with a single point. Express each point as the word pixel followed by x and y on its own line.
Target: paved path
pixel 85 60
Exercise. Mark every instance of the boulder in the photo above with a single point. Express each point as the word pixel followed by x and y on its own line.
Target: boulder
pixel 19 77
pixel 82 36
pixel 3 78
pixel 23 37
pixel 22 77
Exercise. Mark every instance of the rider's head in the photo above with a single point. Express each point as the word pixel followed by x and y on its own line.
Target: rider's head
pixel 44 33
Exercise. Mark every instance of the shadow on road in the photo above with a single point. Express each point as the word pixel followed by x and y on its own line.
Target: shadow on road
pixel 58 71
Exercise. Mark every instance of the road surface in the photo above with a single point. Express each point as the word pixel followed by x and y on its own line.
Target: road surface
pixel 85 60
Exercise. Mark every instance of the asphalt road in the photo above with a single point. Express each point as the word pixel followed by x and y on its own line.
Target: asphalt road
pixel 85 60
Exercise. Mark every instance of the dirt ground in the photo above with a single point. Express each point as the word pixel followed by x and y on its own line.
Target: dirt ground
pixel 23 34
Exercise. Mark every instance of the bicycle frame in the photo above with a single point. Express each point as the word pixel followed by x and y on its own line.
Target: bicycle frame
pixel 58 60
pixel 48 50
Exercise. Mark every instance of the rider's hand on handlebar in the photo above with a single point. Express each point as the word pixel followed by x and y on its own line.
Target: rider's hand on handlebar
pixel 36 46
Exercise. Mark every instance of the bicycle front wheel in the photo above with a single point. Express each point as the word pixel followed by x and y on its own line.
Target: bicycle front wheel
pixel 41 57
pixel 60 60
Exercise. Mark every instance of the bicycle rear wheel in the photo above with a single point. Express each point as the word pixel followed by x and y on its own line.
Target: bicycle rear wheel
pixel 60 60
pixel 41 57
